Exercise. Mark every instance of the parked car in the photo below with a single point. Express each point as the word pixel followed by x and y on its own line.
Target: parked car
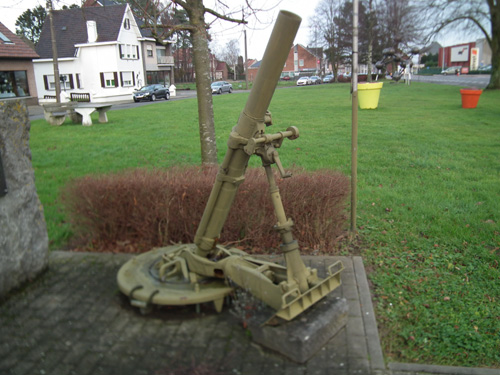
pixel 151 92
pixel 329 79
pixel 285 78
pixel 303 81
pixel 315 80
pixel 221 86
pixel 451 70
pixel 485 68
pixel 346 77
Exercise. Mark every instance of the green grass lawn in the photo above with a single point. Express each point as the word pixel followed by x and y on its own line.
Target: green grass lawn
pixel 428 196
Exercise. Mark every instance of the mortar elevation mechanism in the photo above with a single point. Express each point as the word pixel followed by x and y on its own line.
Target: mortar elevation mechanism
pixel 205 271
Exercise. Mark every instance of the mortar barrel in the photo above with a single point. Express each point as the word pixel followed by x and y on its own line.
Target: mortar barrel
pixel 252 118
pixel 277 50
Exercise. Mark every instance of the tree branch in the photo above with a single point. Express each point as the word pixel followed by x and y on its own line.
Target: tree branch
pixel 223 17
pixel 464 18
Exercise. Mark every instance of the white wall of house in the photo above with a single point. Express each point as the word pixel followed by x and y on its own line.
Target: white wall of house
pixel 109 71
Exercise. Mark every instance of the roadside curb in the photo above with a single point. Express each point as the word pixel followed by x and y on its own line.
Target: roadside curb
pixel 420 369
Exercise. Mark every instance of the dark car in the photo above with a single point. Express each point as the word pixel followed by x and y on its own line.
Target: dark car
pixel 221 86
pixel 329 79
pixel 151 92
pixel 315 80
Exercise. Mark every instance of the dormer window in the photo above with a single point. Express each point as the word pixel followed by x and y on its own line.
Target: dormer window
pixel 5 39
pixel 126 24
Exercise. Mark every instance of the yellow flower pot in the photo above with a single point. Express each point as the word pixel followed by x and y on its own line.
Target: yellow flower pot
pixel 368 94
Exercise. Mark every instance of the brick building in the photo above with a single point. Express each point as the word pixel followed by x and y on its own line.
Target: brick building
pixel 302 60
pixel 469 56
pixel 17 77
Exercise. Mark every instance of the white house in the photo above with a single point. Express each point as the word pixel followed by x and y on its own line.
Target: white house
pixel 99 53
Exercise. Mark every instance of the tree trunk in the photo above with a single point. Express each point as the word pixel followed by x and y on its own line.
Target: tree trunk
pixel 203 90
pixel 495 47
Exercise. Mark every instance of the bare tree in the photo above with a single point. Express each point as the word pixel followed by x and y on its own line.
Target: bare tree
pixel 482 15
pixel 399 19
pixel 230 54
pixel 326 14
pixel 158 17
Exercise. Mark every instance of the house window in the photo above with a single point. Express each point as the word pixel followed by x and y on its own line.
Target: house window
pixel 13 84
pixel 126 24
pixel 109 79
pixel 79 82
pixel 5 39
pixel 127 79
pixel 301 62
pixel 149 50
pixel 129 52
pixel 65 82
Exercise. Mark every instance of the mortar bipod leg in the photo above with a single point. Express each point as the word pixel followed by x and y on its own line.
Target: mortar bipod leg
pixel 296 269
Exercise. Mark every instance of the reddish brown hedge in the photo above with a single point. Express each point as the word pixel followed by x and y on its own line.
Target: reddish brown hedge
pixel 140 209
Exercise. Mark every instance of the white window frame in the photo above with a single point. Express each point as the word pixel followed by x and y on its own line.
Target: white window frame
pixel 127 79
pixel 109 79
pixel 52 85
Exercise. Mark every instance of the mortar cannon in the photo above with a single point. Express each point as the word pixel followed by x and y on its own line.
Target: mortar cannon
pixel 206 271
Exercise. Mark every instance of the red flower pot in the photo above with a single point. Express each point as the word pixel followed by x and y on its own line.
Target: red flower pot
pixel 470 97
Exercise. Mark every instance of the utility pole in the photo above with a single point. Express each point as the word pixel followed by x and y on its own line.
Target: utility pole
pixel 245 37
pixel 354 138
pixel 54 52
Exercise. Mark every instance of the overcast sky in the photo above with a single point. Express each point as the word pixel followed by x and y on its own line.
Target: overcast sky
pixel 258 29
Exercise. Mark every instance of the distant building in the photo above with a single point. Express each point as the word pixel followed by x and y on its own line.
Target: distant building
pixel 253 69
pixel 303 60
pixel 470 56
pixel 184 66
pixel 17 77
pixel 432 49
pixel 300 61
pixel 98 53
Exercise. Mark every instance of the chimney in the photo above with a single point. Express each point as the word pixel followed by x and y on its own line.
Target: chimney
pixel 92 31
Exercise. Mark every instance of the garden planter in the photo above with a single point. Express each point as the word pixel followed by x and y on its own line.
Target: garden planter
pixel 470 97
pixel 368 94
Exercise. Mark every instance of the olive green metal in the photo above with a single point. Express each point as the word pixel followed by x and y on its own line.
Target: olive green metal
pixel 207 272
pixel 250 125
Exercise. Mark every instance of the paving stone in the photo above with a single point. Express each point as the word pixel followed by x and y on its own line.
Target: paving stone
pixel 22 368
pixel 89 328
pixel 355 326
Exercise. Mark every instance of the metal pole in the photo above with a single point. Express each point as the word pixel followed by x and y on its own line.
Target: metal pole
pixel 354 138
pixel 246 58
pixel 54 53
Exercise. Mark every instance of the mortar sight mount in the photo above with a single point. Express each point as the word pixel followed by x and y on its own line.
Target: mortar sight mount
pixel 206 271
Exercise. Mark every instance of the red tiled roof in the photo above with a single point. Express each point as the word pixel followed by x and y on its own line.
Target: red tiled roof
pixel 17 49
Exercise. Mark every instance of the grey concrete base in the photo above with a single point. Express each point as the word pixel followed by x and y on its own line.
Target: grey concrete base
pixel 304 336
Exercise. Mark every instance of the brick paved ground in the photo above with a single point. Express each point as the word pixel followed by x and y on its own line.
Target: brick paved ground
pixel 73 320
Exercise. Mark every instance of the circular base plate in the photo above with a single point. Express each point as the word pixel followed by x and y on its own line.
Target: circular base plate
pixel 138 279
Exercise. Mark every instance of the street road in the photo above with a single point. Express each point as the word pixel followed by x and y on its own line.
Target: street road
pixel 474 80
pixel 465 80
